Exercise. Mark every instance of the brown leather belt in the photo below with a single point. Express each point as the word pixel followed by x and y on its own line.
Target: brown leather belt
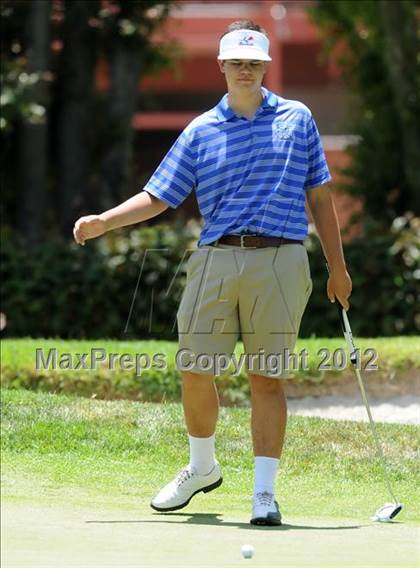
pixel 254 241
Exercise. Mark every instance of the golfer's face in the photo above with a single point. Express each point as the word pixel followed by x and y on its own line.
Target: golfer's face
pixel 243 73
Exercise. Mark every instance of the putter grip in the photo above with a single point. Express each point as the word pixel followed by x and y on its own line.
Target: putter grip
pixel 338 305
pixel 340 314
pixel 345 326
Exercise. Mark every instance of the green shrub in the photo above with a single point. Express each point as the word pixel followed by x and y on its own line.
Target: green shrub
pixel 59 289
pixel 385 271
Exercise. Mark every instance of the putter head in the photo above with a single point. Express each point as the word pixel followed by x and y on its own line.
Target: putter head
pixel 387 512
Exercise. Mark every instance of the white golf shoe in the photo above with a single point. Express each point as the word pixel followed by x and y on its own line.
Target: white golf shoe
pixel 265 510
pixel 178 493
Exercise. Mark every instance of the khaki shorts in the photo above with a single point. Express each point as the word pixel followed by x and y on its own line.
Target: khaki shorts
pixel 260 294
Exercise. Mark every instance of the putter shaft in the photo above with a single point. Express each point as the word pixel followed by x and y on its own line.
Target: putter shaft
pixel 345 324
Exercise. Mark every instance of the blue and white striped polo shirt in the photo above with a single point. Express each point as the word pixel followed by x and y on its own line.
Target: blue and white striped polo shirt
pixel 250 176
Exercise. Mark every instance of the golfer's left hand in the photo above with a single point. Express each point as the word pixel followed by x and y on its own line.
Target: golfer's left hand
pixel 339 287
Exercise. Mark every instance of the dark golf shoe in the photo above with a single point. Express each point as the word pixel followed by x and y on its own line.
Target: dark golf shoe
pixel 265 510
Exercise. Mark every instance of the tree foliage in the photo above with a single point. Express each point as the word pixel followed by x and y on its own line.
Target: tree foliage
pixel 376 44
pixel 51 105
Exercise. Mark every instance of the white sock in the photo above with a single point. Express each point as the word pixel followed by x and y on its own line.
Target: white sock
pixel 265 474
pixel 202 456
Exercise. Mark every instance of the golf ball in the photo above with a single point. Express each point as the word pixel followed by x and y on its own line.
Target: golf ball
pixel 247 551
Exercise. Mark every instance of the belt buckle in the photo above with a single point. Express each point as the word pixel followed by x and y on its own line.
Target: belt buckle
pixel 243 245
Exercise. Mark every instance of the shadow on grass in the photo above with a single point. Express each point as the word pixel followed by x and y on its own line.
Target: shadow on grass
pixel 213 519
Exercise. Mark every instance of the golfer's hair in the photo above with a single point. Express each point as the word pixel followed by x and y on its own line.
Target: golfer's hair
pixel 244 25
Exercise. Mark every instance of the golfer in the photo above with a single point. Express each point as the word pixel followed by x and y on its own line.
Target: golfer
pixel 253 160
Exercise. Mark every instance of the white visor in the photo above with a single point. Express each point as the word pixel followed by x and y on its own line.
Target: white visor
pixel 244 44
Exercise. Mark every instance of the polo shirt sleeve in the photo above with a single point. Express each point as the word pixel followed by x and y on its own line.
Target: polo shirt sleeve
pixel 318 172
pixel 175 177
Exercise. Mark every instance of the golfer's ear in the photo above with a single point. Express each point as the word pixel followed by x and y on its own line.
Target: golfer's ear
pixel 221 64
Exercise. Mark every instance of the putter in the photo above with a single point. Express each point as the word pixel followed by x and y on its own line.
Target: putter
pixel 389 511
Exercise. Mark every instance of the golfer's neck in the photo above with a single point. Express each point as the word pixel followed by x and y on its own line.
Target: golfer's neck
pixel 245 102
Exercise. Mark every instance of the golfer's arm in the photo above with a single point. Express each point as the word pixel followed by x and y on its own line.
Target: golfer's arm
pixel 322 208
pixel 136 209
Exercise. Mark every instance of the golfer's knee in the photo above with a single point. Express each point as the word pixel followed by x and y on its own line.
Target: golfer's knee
pixel 196 381
pixel 265 385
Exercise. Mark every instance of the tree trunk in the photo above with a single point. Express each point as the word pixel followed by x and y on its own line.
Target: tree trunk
pixel 125 67
pixel 401 49
pixel 33 134
pixel 74 135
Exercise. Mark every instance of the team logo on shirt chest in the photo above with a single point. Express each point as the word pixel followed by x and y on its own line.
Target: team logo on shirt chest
pixel 282 132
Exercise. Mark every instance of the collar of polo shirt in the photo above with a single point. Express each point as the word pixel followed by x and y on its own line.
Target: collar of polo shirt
pixel 224 112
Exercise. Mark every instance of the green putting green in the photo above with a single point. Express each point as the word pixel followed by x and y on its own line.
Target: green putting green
pixel 49 534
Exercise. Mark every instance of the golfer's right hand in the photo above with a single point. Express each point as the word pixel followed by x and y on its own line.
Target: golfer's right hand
pixel 88 227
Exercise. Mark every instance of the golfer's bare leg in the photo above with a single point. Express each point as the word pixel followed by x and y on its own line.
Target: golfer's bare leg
pixel 201 404
pixel 269 415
